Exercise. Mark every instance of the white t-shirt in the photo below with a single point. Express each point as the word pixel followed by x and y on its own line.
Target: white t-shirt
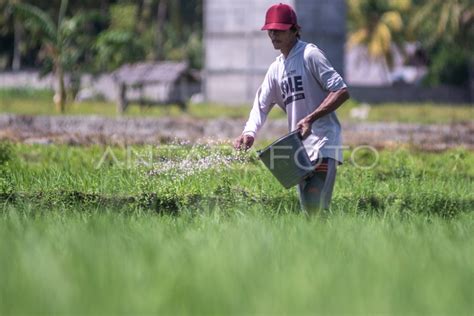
pixel 298 84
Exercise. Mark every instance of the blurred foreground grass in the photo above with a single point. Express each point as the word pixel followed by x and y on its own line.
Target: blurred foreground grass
pixel 102 262
pixel 39 102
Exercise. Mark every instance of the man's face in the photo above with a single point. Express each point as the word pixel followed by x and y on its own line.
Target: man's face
pixel 282 39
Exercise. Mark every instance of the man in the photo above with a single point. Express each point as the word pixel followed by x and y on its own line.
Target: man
pixel 304 84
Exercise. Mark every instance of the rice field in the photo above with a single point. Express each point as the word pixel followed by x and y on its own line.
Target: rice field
pixel 203 230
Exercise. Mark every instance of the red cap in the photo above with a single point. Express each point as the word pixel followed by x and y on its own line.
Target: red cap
pixel 280 17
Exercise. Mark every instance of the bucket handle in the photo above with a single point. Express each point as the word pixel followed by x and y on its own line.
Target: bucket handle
pixel 297 132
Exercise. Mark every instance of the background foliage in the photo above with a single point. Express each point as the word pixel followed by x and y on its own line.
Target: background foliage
pixel 118 31
pixel 444 30
pixel 126 31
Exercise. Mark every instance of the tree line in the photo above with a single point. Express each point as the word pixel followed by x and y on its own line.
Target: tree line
pixel 100 35
pixel 444 30
pixel 95 36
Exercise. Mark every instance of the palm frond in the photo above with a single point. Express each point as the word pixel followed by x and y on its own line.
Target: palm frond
pixel 443 19
pixel 422 14
pixel 84 17
pixel 393 20
pixel 380 42
pixel 75 24
pixel 401 5
pixel 38 17
pixel 358 37
pixel 62 11
pixel 456 17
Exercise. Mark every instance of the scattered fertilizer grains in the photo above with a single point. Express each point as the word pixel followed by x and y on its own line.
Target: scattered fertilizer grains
pixel 200 158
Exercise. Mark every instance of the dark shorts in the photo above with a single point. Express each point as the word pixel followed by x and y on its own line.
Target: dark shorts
pixel 315 192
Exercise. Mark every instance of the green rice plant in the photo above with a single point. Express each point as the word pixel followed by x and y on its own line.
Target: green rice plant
pixel 174 178
pixel 183 232
pixel 26 94
pixel 76 260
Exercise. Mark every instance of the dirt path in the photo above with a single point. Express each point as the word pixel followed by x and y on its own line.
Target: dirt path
pixel 78 130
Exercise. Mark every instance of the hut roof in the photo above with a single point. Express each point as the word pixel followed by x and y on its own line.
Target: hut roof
pixel 149 72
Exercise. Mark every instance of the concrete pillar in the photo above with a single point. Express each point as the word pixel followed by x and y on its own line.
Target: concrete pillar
pixel 238 54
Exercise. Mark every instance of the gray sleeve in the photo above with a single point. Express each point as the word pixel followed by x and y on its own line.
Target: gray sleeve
pixel 263 103
pixel 322 70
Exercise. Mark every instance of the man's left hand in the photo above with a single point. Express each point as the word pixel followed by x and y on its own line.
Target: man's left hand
pixel 304 126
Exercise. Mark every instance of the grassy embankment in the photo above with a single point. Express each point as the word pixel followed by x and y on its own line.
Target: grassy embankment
pixel 400 181
pixel 33 102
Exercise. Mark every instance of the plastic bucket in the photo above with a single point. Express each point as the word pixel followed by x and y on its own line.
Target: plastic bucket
pixel 287 159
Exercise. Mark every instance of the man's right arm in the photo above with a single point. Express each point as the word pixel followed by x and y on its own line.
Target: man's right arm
pixel 263 103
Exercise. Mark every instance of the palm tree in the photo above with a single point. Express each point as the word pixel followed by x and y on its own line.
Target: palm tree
pixel 376 25
pixel 162 8
pixel 447 20
pixel 57 39
pixel 11 24
pixel 446 29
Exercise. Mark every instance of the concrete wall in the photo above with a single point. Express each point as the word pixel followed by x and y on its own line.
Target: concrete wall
pixel 408 93
pixel 237 53
pixel 101 86
pixel 25 79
